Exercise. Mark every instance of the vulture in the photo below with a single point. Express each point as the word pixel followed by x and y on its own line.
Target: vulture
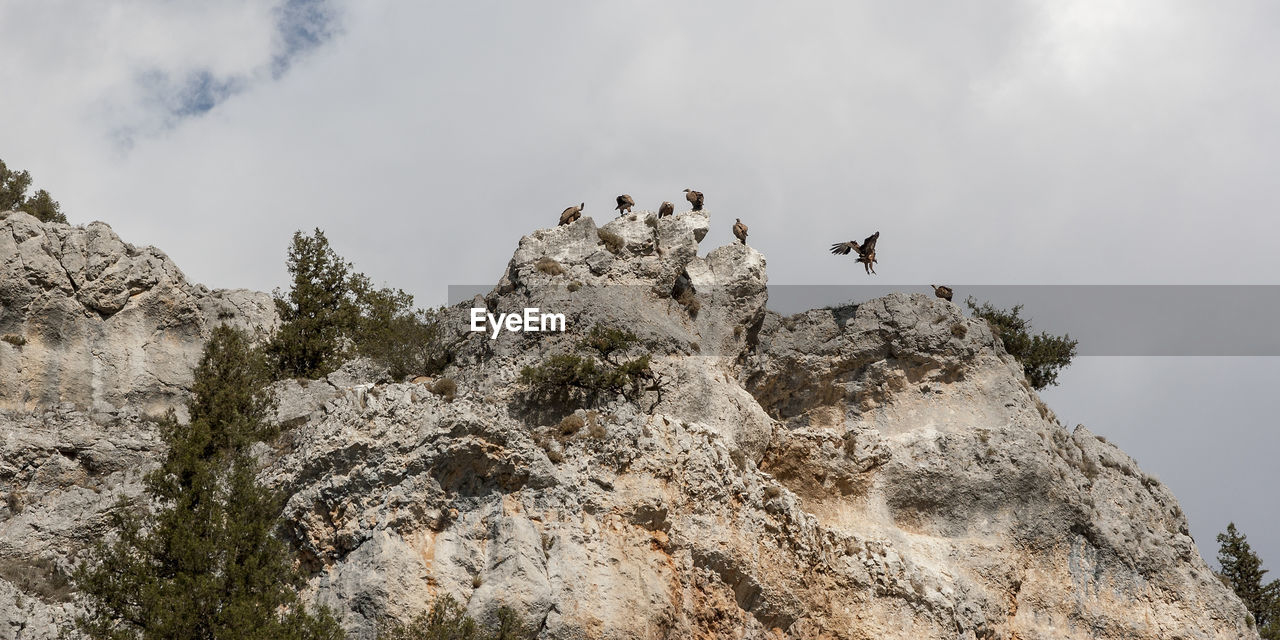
pixel 694 198
pixel 571 214
pixel 740 230
pixel 866 250
pixel 666 209
pixel 942 291
pixel 624 204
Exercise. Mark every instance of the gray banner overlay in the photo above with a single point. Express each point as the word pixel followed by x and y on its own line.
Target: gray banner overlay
pixel 1108 320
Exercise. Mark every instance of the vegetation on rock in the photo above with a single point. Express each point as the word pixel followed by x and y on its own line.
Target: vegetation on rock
pixel 594 369
pixel 206 563
pixel 390 331
pixel 1042 356
pixel 1242 571
pixel 332 313
pixel 13 196
pixel 447 620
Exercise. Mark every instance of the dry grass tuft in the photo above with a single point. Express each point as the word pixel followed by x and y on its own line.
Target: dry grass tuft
pixel 689 300
pixel 549 266
pixel 571 424
pixel 445 388
pixel 612 241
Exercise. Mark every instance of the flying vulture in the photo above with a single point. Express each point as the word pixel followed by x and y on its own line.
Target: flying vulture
pixel 866 250
pixel 571 214
pixel 740 230
pixel 666 209
pixel 694 198
pixel 942 291
pixel 624 204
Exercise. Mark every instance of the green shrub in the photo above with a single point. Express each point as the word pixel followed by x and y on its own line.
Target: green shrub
pixel 13 339
pixel 563 370
pixel 448 620
pixel 594 368
pixel 1042 356
pixel 332 313
pixel 391 332
pixel 13 197
pixel 606 341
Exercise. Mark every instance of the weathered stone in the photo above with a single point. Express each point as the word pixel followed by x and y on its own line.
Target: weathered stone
pixel 878 471
pixel 101 323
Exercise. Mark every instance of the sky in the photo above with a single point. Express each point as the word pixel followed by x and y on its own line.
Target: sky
pixel 992 142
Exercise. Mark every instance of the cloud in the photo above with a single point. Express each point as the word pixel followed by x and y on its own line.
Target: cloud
pixel 135 69
pixel 301 26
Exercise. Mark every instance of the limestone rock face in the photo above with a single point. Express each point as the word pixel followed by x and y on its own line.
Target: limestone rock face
pixel 874 471
pixel 94 321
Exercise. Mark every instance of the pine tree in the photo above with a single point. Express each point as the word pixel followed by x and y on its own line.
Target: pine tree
pixel 1242 570
pixel 13 188
pixel 319 313
pixel 13 196
pixel 207 563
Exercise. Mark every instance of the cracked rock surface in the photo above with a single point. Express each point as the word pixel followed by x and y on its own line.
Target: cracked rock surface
pixel 97 322
pixel 880 470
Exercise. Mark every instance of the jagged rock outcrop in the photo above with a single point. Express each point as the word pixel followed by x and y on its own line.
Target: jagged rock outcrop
pixel 89 319
pixel 870 471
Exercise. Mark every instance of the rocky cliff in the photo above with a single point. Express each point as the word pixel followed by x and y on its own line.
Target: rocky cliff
pixel 103 325
pixel 879 470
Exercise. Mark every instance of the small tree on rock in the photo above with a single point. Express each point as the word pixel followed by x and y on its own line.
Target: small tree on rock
pixel 318 314
pixel 13 196
pixel 206 564
pixel 1042 356
pixel 332 313
pixel 1242 570
pixel 391 332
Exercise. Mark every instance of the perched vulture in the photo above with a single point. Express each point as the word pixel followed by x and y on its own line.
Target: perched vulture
pixel 571 214
pixel 666 209
pixel 694 198
pixel 942 291
pixel 866 250
pixel 624 204
pixel 740 230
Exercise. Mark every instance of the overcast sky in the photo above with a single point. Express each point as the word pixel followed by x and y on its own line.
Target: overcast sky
pixel 991 142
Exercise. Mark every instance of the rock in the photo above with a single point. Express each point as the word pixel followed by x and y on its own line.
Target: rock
pixel 880 470
pixel 101 323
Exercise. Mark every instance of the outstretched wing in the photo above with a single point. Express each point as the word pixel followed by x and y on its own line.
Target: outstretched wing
pixel 869 245
pixel 843 248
